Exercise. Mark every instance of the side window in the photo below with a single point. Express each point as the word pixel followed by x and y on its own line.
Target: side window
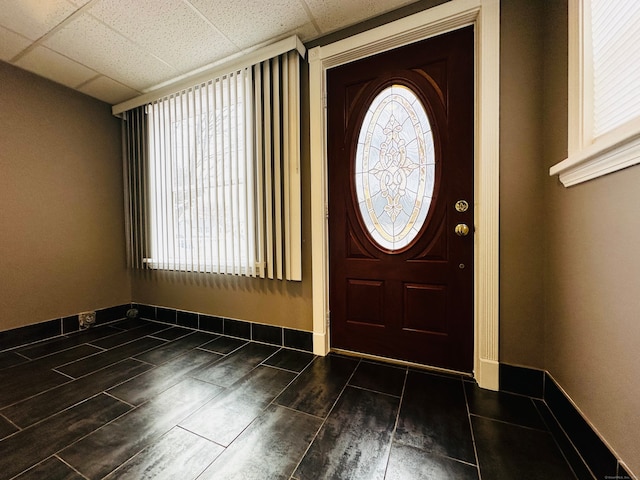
pixel 604 89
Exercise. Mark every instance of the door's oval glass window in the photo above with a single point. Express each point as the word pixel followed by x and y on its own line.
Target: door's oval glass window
pixel 395 167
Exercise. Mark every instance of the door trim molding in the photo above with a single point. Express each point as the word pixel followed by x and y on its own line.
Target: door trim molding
pixel 485 16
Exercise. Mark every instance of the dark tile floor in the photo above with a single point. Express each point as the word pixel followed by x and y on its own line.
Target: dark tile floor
pixel 144 400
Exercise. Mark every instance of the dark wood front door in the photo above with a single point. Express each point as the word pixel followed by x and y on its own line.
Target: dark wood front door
pixel 400 152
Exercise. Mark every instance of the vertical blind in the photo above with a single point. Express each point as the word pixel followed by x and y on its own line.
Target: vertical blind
pixel 615 44
pixel 278 165
pixel 212 175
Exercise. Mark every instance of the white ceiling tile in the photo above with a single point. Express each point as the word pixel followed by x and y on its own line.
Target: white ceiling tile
pixel 33 18
pixel 138 44
pixel 11 44
pixel 170 29
pixel 95 45
pixel 108 90
pixel 332 15
pixel 52 65
pixel 248 23
pixel 305 32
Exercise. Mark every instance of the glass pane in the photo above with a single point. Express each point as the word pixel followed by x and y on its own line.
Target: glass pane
pixel 395 167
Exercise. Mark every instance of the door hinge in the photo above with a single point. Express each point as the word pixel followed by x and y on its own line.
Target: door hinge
pixel 324 100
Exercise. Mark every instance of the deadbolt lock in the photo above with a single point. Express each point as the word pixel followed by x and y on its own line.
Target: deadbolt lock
pixel 462 206
pixel 462 230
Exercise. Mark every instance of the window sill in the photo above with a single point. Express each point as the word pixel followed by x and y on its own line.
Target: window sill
pixel 608 154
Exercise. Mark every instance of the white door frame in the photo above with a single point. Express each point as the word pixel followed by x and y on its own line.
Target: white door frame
pixel 485 16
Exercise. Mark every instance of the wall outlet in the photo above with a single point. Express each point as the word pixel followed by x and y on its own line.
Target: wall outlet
pixel 86 319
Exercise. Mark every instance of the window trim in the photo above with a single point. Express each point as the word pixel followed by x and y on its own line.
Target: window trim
pixel 590 158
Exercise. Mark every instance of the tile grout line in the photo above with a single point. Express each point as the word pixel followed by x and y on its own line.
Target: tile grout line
pixel 133 407
pixel 222 334
pixel 473 435
pixel 433 453
pixel 23 356
pixel 70 466
pixel 55 369
pixel 181 427
pixel 296 375
pixel 249 372
pixel 60 336
pixel 395 425
pixel 33 343
pixel 286 369
pixel 555 440
pixel 63 336
pixel 297 411
pixel 272 402
pixel 71 379
pixel 115 361
pixel 69 383
pixel 89 344
pixel 376 391
pixel 504 422
pixel 144 362
pixel 154 442
pixel 324 421
pixel 569 439
pixel 106 392
pixel 282 369
pixel 57 452
pixel 201 347
pixel 12 423
pixel 110 395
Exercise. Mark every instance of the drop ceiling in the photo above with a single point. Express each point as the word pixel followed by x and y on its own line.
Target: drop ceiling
pixel 114 50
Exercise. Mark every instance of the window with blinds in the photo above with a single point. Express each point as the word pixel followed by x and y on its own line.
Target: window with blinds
pixel 615 47
pixel 201 206
pixel 213 177
pixel 604 89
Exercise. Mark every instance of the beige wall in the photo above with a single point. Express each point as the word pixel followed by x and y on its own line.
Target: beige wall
pixel 569 265
pixel 272 302
pixel 592 325
pixel 522 219
pixel 61 220
pixel 593 319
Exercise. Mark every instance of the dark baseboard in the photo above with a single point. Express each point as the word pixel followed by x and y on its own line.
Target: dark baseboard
pixel 257 332
pixel 56 327
pixel 30 333
pixel 522 380
pixel 49 329
pixel 583 448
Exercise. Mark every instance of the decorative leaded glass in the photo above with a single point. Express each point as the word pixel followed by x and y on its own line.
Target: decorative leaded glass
pixel 395 167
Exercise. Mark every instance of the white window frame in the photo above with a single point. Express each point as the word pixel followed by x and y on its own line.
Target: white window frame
pixel 590 157
pixel 484 15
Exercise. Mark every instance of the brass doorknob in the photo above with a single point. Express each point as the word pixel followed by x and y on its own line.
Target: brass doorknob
pixel 462 230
